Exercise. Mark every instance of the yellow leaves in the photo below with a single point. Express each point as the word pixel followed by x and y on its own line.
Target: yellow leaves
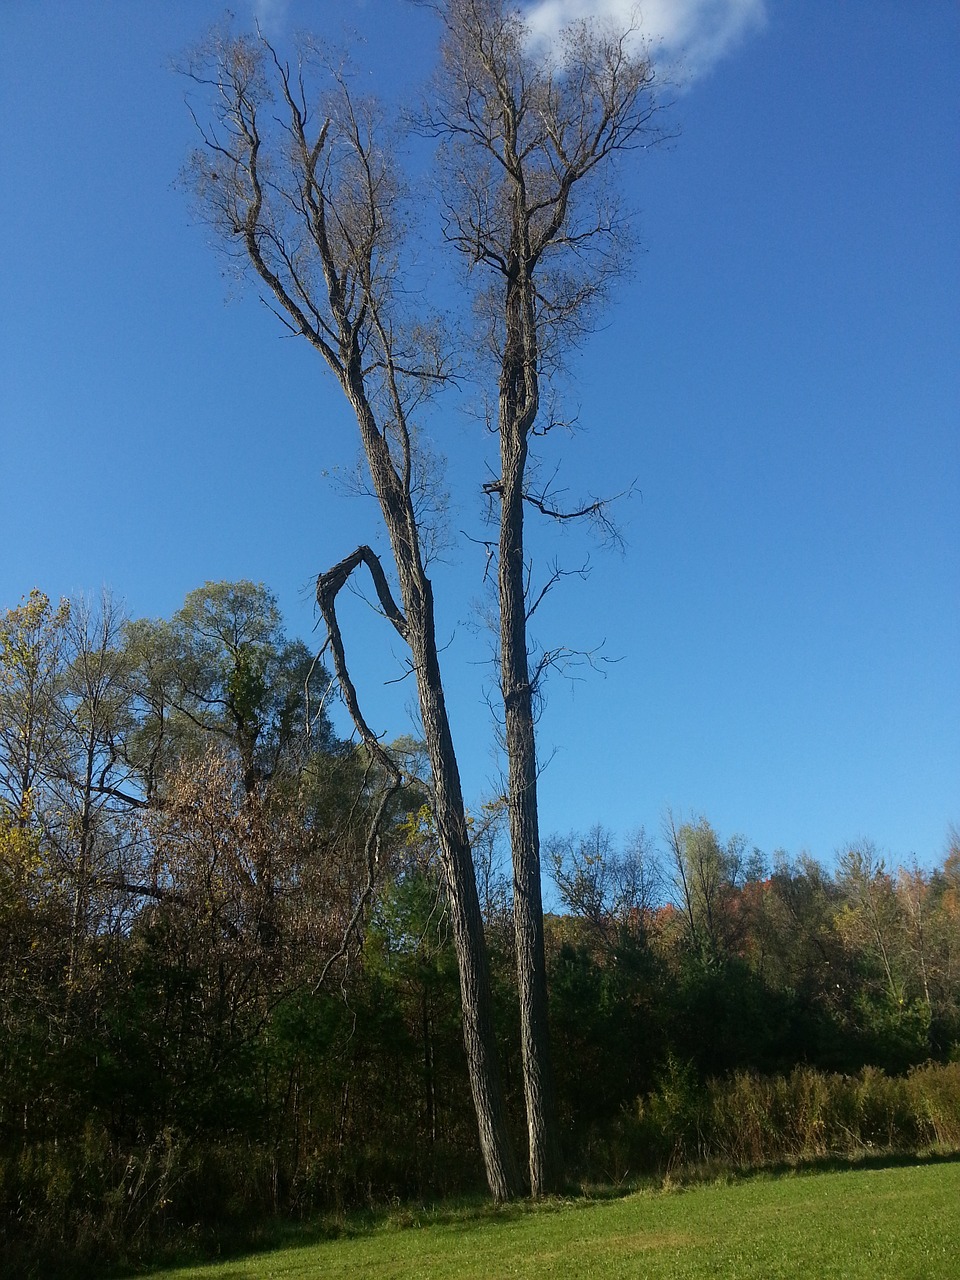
pixel 21 858
pixel 23 628
pixel 23 872
pixel 418 827
pixel 854 927
pixel 31 657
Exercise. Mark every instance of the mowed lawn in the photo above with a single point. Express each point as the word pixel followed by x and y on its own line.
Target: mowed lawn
pixel 899 1223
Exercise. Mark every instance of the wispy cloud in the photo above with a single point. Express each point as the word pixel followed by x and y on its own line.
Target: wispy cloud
pixel 690 35
pixel 271 15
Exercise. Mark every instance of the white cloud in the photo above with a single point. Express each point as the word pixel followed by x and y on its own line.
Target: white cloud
pixel 689 35
pixel 271 15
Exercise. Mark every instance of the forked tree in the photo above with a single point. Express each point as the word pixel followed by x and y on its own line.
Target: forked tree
pixel 303 186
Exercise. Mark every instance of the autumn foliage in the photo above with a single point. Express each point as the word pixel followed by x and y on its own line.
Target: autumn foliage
pixel 217 1007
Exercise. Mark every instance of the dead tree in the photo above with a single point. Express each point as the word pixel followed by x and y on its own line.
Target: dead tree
pixel 529 140
pixel 302 191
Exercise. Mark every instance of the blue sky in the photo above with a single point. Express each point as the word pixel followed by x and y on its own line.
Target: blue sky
pixel 779 374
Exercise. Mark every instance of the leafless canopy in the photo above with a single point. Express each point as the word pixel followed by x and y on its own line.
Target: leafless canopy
pixel 528 137
pixel 299 179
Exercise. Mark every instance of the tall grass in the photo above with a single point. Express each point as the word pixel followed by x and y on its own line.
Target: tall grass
pixel 72 1208
pixel 751 1120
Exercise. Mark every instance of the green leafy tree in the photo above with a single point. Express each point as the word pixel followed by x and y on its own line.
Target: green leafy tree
pixel 706 875
pixel 224 670
pixel 888 1009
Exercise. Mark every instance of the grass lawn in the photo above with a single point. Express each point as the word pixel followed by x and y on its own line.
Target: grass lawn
pixel 895 1223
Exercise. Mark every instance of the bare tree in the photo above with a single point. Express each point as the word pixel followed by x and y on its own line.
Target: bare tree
pixel 529 140
pixel 307 195
pixel 90 781
pixel 613 891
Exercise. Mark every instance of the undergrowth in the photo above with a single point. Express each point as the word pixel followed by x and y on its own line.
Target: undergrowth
pixel 84 1209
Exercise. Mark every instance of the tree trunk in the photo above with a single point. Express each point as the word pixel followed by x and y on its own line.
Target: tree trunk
pixel 470 944
pixel 518 401
pixel 417 624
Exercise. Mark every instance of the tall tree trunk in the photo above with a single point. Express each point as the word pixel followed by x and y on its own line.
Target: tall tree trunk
pixel 417 624
pixel 518 407
pixel 544 1153
pixel 523 126
pixel 466 918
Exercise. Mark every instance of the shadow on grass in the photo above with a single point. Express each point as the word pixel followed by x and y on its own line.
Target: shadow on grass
pixel 472 1213
pixel 712 1172
pixel 866 1160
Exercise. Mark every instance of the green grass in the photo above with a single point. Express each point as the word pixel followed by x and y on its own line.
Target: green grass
pixel 882 1223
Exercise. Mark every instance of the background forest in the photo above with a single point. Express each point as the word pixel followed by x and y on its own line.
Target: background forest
pixel 223 998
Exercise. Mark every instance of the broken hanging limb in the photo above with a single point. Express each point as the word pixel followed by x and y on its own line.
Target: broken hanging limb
pixel 329 585
pixel 371 851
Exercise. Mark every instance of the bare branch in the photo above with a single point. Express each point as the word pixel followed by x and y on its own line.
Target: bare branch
pixel 372 859
pixel 555 576
pixel 330 583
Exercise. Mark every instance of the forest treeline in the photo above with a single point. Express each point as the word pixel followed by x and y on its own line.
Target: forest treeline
pixel 228 988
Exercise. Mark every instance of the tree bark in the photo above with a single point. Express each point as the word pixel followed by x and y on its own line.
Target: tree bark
pixel 416 624
pixel 518 408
